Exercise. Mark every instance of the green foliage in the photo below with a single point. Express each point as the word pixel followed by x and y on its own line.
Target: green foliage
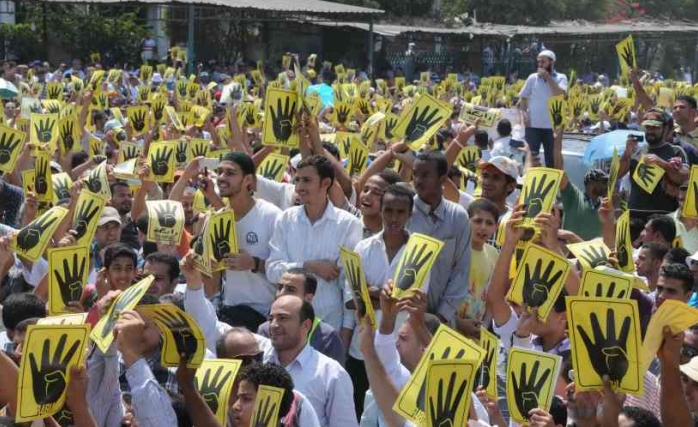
pixel 22 38
pixel 397 8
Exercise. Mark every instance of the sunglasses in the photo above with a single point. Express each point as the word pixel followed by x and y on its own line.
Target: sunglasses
pixel 248 359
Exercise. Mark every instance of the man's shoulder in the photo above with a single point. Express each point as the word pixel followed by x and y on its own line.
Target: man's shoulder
pixel 267 209
pixel 344 216
pixel 455 209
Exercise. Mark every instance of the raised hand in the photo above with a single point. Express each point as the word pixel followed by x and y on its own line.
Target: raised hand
pixel 608 353
pixel 86 212
pixel 595 256
pixel 29 236
pixel 8 144
pixel 282 119
pixel 71 283
pixel 184 338
pixel 44 129
pixel 221 235
pixel 49 379
pixel 160 161
pixel 166 215
pixel 527 388
pixel 210 388
pixel 537 283
pixel 627 56
pixel 536 195
pixel 469 159
pixel 420 123
pixel 443 411
pixel 411 267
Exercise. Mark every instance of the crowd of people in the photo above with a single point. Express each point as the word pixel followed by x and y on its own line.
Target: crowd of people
pixel 279 299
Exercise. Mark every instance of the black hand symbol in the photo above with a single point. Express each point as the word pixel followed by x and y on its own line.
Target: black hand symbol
pixel 131 152
pixel 411 267
pixel 166 215
pixel 86 213
pixel 420 123
pixel 594 105
pixel 389 126
pixel 364 107
pixel 184 338
pixel 8 143
pixel 221 234
pixel 282 119
pixel 182 89
pixel 250 116
pixel 556 111
pixel 695 195
pixel 71 283
pixel 200 150
pixel 49 379
pixel 160 161
pixel 271 169
pixel 53 108
pixel 622 248
pixel 610 293
pixel 577 108
pixel 358 159
pixel 445 355
pixel 139 121
pixel 144 92
pixel 126 298
pixel 264 414
pixel 527 390
pixel 158 110
pixel 30 235
pixel 469 160
pixel 354 276
pixel 443 411
pixel 628 56
pixel 608 353
pixel 487 366
pixel 66 133
pixel 342 114
pixel 94 184
pixel 192 91
pixel 181 154
pixel 44 129
pixel 537 284
pixel 54 92
pixel 594 257
pixel 40 182
pixel 366 135
pixel 646 173
pixel 346 144
pixel 210 389
pixel 64 417
pixel 536 195
pixel 61 189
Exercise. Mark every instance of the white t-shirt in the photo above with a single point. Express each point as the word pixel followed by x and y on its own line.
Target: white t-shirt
pixel 538 91
pixel 254 231
pixel 281 194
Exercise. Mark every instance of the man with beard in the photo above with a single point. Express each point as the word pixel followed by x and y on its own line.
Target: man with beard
pixel 193 220
pixel 669 157
pixel 122 201
pixel 538 89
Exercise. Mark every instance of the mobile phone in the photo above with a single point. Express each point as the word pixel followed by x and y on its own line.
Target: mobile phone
pixel 208 163
pixel 638 138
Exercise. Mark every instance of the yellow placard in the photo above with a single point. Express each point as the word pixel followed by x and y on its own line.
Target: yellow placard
pixel 344 141
pixel 69 134
pixel 42 176
pixel 102 334
pixel 273 166
pixel 605 282
pixel 146 73
pixel 182 334
pixel 214 381
pixel 421 121
pixel 557 111
pixel 49 352
pixel 354 272
pixel 52 106
pixel 202 249
pixel 11 143
pixel 97 182
pixel 64 319
pixel 88 209
pixel 138 117
pixel 113 76
pixel 197 147
pixel 624 243
pixel 448 392
pixel 174 118
pixel 61 186
pixel 143 93
pixel 613 173
pixel 96 146
pixel 341 114
pixel 267 406
pixel 128 151
pixel 96 79
pixel 162 161
pixel 415 263
pixel 531 379
pixel 539 191
pixel 469 157
pixel 31 241
pixel 358 158
pixel 68 269
pixel 221 237
pixel 165 221
pixel 647 177
pixel 446 344
pixel 590 254
pixel 539 279
pixel 677 315
pixel 280 109
pixel 44 129
pixel 488 371
pixel 690 204
pixel 181 149
pixel 626 55
pixel 54 90
pixel 605 339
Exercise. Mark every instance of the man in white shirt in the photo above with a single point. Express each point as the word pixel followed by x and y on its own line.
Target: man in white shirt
pixel 321 379
pixel 538 89
pixel 309 236
pixel 247 294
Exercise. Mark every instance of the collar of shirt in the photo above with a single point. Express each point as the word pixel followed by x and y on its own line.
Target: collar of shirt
pixel 330 214
pixel 691 135
pixel 560 348
pixel 425 208
pixel 302 359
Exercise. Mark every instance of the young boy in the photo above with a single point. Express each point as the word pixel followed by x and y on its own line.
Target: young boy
pixel 483 216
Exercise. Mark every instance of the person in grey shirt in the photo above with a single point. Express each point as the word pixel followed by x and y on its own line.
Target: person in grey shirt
pixel 434 216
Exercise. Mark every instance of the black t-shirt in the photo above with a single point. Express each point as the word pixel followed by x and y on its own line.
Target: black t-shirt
pixel 658 201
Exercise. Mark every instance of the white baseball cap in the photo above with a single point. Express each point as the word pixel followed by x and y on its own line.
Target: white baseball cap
pixel 547 53
pixel 505 165
pixel 690 369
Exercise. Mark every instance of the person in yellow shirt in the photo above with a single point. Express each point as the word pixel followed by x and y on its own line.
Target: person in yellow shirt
pixel 483 216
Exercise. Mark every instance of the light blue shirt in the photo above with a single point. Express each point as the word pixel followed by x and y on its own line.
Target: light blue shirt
pixel 151 404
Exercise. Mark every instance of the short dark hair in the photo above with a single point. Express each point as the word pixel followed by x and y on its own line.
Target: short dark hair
pixel 399 190
pixel 664 225
pixel 483 205
pixel 482 138
pixel 118 183
pixel 310 282
pixel 322 166
pixel 390 176
pixel 504 127
pixel 436 157
pixel 119 250
pixel 21 306
pixel 169 260
pixel 636 226
pixel 688 99
pixel 657 250
pixel 332 149
pixel 676 256
pixel 432 322
pixel 273 375
pixel 678 272
pixel 307 312
pixel 241 159
pixel 641 417
pixel 558 411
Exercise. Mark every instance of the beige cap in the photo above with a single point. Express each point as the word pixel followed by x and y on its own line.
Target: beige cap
pixel 109 214
pixel 691 369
